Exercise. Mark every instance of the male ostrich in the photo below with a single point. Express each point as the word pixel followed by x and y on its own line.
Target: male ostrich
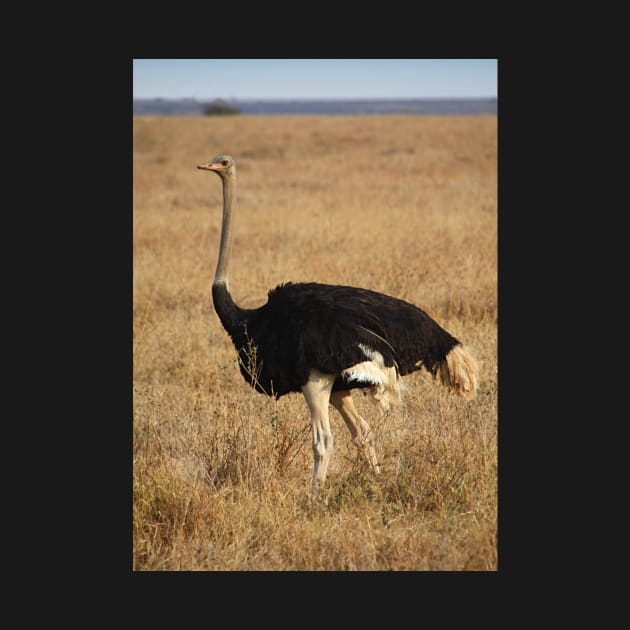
pixel 324 340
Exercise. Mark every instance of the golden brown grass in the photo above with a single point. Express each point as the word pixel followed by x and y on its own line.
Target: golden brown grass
pixel 405 205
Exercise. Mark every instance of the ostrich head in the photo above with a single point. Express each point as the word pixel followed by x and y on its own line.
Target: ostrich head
pixel 223 165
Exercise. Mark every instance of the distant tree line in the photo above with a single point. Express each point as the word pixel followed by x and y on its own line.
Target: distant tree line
pixel 220 107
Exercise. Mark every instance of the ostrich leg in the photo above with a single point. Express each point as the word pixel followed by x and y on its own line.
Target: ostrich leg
pixel 359 428
pixel 317 394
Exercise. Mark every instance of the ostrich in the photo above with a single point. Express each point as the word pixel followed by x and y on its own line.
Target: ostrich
pixel 325 340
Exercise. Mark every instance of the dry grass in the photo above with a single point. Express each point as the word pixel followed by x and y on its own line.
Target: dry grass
pixel 405 205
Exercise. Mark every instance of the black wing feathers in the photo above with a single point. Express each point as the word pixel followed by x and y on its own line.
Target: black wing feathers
pixel 308 326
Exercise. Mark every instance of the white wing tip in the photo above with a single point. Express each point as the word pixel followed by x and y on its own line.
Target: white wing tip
pixel 383 382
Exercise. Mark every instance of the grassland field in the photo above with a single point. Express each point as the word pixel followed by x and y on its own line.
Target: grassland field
pixel 405 205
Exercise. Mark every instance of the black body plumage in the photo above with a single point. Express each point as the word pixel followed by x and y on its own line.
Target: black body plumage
pixel 306 326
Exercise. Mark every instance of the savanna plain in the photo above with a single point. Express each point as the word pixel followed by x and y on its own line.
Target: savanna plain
pixel 404 205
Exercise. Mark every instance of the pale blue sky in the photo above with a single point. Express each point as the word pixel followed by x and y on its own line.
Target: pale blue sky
pixel 314 78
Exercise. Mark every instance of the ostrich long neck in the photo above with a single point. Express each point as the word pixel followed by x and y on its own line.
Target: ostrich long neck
pixel 225 249
pixel 231 316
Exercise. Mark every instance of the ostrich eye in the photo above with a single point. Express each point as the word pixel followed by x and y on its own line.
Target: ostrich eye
pixel 225 162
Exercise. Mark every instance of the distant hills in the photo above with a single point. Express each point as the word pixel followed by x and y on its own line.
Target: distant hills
pixel 194 107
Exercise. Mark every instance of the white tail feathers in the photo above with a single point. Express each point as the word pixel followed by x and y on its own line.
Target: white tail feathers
pixel 459 372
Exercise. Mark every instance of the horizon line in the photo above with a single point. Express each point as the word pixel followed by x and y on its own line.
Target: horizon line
pixel 317 98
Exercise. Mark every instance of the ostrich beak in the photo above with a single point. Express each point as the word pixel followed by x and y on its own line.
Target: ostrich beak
pixel 207 167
